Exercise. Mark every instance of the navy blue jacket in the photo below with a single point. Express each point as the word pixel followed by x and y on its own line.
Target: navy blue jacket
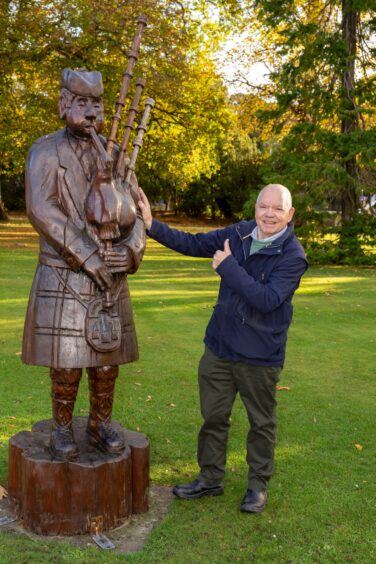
pixel 253 311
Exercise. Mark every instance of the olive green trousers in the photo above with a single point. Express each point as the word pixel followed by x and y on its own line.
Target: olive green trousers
pixel 219 382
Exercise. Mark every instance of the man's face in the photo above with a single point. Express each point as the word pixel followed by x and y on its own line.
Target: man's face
pixel 272 212
pixel 83 113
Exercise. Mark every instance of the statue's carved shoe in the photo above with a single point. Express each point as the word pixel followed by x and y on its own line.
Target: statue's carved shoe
pixel 105 437
pixel 62 444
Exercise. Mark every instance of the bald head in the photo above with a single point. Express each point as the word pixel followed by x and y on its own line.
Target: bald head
pixel 278 189
pixel 273 210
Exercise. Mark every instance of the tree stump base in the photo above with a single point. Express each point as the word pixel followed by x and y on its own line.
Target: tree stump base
pixel 94 493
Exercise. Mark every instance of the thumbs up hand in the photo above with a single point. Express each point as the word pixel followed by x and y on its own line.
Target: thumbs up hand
pixel 220 256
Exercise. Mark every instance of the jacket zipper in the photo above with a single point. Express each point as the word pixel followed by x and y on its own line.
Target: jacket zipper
pixel 241 239
pixel 261 251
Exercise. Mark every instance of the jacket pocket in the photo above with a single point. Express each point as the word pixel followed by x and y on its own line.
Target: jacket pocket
pixel 273 323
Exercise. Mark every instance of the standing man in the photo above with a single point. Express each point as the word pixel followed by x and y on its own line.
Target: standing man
pixel 260 263
pixel 68 326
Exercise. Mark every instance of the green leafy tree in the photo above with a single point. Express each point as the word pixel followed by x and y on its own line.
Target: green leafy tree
pixel 225 191
pixel 322 98
pixel 41 37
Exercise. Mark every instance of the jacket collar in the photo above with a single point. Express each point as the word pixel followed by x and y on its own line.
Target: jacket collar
pixel 245 228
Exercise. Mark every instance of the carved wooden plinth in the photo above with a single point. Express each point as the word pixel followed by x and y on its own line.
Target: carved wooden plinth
pixel 96 491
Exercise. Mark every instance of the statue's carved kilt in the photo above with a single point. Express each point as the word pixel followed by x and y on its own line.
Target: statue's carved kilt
pixel 54 332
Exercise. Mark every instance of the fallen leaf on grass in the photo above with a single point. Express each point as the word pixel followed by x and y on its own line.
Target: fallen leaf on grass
pixel 149 398
pixel 137 384
pixel 18 353
pixel 358 447
pixel 286 388
pixel 172 405
pixel 11 417
pixel 3 492
pixel 314 420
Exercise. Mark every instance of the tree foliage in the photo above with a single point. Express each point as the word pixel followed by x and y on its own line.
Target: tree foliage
pixel 225 192
pixel 311 126
pixel 322 97
pixel 42 37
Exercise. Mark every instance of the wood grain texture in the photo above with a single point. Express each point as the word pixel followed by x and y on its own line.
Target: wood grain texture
pixel 57 497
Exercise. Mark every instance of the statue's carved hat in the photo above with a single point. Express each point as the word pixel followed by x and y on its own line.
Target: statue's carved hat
pixel 82 82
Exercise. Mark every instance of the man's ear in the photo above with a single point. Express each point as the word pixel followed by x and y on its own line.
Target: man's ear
pixel 291 213
pixel 62 109
pixel 65 101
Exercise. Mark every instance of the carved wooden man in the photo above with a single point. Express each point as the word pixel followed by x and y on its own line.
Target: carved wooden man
pixel 67 328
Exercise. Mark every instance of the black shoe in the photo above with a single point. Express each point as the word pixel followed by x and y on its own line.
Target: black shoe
pixel 197 488
pixel 106 438
pixel 253 502
pixel 62 443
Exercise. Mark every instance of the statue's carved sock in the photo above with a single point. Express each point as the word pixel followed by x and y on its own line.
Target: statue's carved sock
pixel 99 429
pixel 65 384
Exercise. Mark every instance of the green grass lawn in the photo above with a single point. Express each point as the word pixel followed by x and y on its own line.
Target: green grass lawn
pixel 322 499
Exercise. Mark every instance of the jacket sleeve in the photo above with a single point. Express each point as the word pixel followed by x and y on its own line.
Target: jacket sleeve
pixel 202 245
pixel 44 210
pixel 265 297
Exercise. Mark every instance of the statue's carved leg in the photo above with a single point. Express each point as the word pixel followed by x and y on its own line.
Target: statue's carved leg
pixel 65 384
pixel 99 430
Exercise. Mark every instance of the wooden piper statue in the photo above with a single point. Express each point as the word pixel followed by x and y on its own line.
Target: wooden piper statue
pixel 84 207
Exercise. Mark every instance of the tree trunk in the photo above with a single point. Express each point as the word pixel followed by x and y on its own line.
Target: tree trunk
pixel 350 118
pixel 212 202
pixel 3 213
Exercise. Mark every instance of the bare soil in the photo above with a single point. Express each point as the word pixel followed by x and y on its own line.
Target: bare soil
pixel 130 537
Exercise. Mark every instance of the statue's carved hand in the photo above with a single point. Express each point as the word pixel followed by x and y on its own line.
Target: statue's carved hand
pixel 119 261
pixel 98 271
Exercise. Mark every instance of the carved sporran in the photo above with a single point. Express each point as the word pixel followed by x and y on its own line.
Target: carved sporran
pixel 102 326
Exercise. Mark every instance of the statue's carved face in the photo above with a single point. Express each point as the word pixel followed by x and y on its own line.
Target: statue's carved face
pixel 82 113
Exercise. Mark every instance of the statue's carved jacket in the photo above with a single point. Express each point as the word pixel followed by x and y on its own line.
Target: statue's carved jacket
pixel 56 194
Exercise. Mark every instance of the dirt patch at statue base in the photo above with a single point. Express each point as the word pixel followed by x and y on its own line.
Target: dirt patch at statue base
pixel 130 537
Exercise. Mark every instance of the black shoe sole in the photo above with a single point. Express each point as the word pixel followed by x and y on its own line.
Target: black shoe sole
pixel 213 492
pixel 244 509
